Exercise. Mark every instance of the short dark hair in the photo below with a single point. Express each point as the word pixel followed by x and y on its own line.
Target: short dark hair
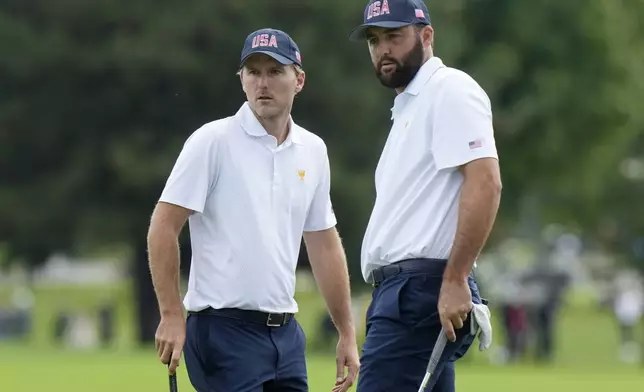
pixel 419 26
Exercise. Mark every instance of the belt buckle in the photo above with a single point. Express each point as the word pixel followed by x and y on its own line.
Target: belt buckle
pixel 374 281
pixel 270 323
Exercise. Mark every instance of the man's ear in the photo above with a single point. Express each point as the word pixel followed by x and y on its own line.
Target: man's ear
pixel 241 79
pixel 428 36
pixel 301 77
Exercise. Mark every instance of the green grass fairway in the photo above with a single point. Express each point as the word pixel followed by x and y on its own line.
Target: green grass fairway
pixel 586 355
pixel 30 370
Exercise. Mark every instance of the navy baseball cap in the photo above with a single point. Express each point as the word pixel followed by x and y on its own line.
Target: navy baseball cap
pixel 274 43
pixel 391 14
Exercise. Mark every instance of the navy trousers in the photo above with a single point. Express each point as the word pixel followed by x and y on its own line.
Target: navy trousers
pixel 401 328
pixel 225 354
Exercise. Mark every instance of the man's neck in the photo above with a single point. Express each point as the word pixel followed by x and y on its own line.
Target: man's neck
pixel 278 127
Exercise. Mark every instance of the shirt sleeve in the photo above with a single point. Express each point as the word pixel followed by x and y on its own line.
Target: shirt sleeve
pixel 321 215
pixel 462 129
pixel 193 174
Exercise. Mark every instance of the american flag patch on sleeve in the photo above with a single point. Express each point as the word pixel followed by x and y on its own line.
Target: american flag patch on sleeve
pixel 474 144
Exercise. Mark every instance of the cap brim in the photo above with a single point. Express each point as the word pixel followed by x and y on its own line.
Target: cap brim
pixel 359 33
pixel 280 59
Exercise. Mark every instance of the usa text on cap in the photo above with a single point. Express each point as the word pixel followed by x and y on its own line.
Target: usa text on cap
pixel 274 43
pixel 391 14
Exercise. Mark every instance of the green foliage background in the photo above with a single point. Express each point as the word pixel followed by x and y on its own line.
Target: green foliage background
pixel 97 98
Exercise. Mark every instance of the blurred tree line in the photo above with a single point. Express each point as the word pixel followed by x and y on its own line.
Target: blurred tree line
pixel 97 98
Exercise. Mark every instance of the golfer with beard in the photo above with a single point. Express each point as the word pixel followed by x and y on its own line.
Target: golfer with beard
pixel 438 190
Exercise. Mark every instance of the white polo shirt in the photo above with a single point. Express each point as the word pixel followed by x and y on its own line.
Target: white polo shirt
pixel 252 200
pixel 441 121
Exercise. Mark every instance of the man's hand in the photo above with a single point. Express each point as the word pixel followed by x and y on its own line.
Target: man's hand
pixel 346 356
pixel 169 340
pixel 163 250
pixel 454 304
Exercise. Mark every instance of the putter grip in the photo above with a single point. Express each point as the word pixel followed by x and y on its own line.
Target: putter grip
pixel 437 352
pixel 172 378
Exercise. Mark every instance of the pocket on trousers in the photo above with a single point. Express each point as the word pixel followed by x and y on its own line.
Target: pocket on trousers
pixel 221 338
pixel 385 303
pixel 301 333
pixel 418 300
pixel 208 349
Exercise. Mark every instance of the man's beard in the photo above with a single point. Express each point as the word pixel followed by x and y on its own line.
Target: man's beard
pixel 405 70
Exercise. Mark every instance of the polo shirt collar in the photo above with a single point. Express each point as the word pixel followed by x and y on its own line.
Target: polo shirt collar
pixel 253 127
pixel 425 72
pixel 423 75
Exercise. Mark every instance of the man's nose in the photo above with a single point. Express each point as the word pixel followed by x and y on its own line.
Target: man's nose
pixel 383 49
pixel 263 81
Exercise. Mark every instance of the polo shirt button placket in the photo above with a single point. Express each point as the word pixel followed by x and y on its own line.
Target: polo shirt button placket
pixel 276 180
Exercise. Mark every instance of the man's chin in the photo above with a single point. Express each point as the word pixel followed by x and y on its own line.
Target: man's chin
pixel 396 79
pixel 266 110
pixel 388 81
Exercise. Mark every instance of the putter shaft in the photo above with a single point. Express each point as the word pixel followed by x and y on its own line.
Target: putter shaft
pixel 423 385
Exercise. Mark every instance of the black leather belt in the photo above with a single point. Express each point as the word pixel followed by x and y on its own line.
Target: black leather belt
pixel 436 266
pixel 255 316
pixel 410 265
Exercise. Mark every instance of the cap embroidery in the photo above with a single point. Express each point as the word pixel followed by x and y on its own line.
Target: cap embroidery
pixel 378 8
pixel 264 40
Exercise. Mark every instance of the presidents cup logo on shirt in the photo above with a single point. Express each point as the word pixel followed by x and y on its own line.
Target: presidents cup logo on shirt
pixel 301 174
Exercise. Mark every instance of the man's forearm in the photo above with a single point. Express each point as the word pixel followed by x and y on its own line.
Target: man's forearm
pixel 478 207
pixel 330 270
pixel 163 251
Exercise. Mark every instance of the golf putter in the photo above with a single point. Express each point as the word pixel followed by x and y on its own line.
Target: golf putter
pixel 173 381
pixel 437 352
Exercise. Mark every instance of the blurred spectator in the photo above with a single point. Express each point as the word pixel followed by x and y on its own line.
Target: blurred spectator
pixel 515 324
pixel 628 306
pixel 551 285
